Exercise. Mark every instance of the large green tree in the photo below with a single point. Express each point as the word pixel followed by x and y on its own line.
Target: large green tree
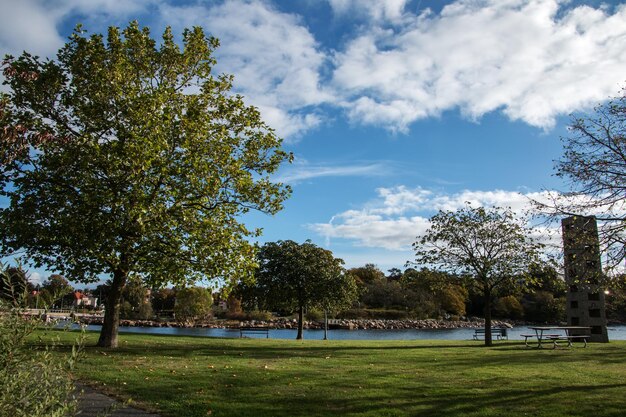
pixel 124 156
pixel 293 276
pixel 489 245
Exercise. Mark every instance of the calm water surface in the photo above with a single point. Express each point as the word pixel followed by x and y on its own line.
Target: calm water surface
pixel 615 333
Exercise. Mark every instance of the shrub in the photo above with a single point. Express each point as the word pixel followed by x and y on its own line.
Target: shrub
pixel 315 315
pixel 453 299
pixel 35 383
pixel 256 315
pixel 542 307
pixel 136 303
pixel 192 305
pixel 424 310
pixel 384 314
pixel 353 314
pixel 509 307
pixel 259 315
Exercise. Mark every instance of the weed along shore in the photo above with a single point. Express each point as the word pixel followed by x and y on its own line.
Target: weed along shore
pixel 288 323
pixel 199 376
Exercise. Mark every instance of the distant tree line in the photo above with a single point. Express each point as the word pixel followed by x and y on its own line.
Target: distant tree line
pixel 409 294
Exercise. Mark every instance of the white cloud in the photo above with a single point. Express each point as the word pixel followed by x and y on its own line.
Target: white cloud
pixel 288 123
pixel 390 10
pixel 35 278
pixel 533 60
pixel 28 26
pixel 32 25
pixel 275 59
pixel 384 259
pixel 373 230
pixel 399 214
pixel 302 170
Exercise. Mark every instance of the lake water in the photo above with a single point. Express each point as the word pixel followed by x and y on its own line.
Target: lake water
pixel 615 333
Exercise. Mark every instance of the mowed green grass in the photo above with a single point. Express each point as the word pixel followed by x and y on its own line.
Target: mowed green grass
pixel 192 376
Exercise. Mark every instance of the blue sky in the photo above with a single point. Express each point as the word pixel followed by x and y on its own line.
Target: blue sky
pixel 393 109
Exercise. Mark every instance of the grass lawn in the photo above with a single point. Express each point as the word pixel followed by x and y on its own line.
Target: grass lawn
pixel 193 376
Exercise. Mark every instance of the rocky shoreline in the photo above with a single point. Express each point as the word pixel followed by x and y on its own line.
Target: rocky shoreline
pixel 288 323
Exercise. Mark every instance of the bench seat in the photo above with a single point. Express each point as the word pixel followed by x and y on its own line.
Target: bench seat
pixel 569 339
pixel 498 332
pixel 534 336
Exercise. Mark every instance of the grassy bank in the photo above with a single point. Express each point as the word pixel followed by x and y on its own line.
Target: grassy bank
pixel 188 376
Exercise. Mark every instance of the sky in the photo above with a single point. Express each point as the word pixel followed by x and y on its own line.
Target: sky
pixel 393 109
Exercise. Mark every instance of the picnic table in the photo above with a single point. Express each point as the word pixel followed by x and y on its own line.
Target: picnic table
pixel 555 334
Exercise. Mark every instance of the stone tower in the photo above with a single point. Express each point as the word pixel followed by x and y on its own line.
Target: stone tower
pixel 583 276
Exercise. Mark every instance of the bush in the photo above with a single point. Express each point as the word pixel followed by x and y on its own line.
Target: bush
pixel 365 314
pixel 452 299
pixel 192 305
pixel 425 310
pixel 543 307
pixel 136 303
pixel 259 315
pixel 35 383
pixel 509 307
pixel 255 315
pixel 353 314
pixel 315 315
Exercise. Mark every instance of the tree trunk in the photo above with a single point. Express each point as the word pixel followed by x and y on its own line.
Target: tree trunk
pixel 300 323
pixel 487 312
pixel 111 324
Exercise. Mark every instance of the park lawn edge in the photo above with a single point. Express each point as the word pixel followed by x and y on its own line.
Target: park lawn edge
pixel 194 376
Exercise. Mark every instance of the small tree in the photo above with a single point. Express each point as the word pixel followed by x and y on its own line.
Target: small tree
pixel 193 304
pixel 367 274
pixel 490 245
pixel 616 300
pixel 124 156
pixel 294 276
pixel 136 300
pixel 163 300
pixel 509 307
pixel 55 289
pixel 439 289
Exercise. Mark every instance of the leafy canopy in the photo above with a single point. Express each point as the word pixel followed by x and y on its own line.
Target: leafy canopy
pixel 292 275
pixel 490 245
pixel 127 156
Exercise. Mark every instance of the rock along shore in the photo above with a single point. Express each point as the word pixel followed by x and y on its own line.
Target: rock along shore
pixel 288 323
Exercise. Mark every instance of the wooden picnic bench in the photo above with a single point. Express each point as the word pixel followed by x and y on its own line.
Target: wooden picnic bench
pixel 534 336
pixel 541 336
pixel 497 332
pixel 250 329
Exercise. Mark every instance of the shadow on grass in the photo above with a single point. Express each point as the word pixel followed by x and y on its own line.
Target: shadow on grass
pixel 243 399
pixel 190 346
pixel 424 378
